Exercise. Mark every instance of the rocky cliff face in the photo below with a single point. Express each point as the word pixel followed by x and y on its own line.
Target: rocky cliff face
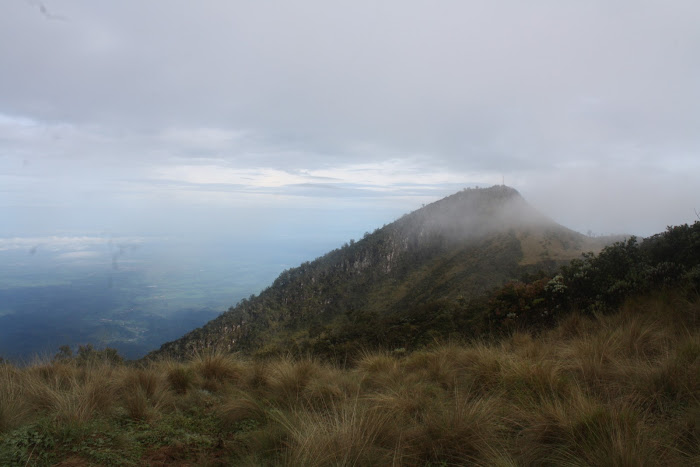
pixel 459 246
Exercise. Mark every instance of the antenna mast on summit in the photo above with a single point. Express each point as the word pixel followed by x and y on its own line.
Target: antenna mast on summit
pixel 503 182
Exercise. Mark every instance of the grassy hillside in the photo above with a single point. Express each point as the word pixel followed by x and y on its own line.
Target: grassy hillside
pixel 596 365
pixel 617 389
pixel 454 249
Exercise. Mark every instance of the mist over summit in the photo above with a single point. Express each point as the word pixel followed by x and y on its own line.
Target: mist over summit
pixel 452 249
pixel 162 161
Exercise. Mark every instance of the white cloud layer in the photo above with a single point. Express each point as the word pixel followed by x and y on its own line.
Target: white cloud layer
pixel 130 115
pixel 71 245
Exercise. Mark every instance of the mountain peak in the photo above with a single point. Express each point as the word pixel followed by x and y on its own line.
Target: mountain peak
pixel 484 195
pixel 474 212
pixel 459 246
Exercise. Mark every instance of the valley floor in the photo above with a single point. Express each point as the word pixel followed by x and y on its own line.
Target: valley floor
pixel 621 389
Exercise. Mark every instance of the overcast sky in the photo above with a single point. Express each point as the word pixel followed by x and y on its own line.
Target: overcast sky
pixel 138 117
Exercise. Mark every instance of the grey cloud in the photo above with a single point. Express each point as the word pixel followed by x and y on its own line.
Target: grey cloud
pixel 405 74
pixel 548 93
pixel 45 11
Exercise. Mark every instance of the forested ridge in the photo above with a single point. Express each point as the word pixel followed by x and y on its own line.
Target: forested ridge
pixel 439 257
pixel 593 362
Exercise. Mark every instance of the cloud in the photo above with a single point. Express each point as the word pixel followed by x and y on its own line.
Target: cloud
pixel 152 104
pixel 45 11
pixel 390 178
pixel 79 255
pixel 209 174
pixel 78 245
pixel 201 139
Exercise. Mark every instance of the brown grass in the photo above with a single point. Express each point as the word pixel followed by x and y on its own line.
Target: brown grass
pixel 15 410
pixel 622 389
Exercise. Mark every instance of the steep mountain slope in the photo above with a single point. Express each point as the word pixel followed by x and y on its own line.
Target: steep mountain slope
pixel 453 249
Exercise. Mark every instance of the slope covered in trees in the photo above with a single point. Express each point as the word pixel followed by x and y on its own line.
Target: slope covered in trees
pixel 445 254
pixel 595 364
pixel 600 283
pixel 606 385
pixel 590 285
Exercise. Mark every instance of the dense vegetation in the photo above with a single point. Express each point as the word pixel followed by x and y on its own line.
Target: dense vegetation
pixel 414 346
pixel 596 365
pixel 600 283
pixel 617 389
pixel 426 263
pixel 594 283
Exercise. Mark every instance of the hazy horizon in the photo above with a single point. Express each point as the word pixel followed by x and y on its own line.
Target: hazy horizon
pixel 250 137
pixel 186 118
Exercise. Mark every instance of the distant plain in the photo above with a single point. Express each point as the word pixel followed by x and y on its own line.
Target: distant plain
pixel 131 296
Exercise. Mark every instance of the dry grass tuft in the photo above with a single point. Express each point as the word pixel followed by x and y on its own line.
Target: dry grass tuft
pixel 14 407
pixel 239 407
pixel 142 380
pixel 619 389
pixel 217 369
pixel 407 404
pixel 328 386
pixel 674 378
pixel 379 371
pixel 145 393
pixel 583 431
pixel 574 325
pixel 440 366
pixel 463 431
pixel 481 366
pixel 180 377
pixel 287 379
pixel 69 393
pixel 255 378
pixel 349 434
pixel 527 380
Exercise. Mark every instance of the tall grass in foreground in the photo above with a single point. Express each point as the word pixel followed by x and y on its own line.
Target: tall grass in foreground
pixel 622 389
